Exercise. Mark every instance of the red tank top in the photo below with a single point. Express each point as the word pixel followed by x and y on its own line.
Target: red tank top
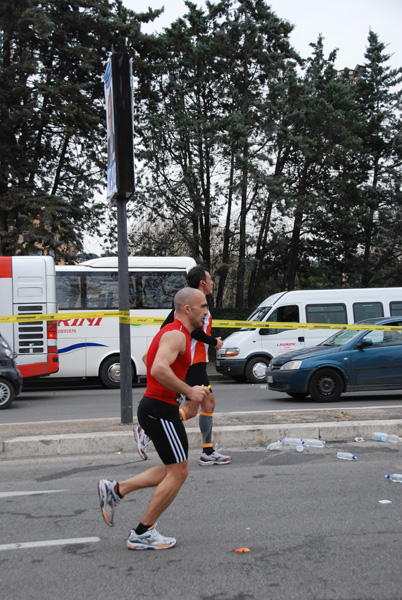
pixel 179 367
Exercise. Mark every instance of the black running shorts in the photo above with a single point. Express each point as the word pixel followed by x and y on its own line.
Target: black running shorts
pixel 197 375
pixel 161 422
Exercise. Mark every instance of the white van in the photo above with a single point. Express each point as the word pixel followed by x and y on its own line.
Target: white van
pixel 246 353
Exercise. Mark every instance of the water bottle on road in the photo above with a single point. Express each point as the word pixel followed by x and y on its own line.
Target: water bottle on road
pixel 395 477
pixel 289 441
pixel 386 437
pixel 313 443
pixel 346 456
pixel 275 445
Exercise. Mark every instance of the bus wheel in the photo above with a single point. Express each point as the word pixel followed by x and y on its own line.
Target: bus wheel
pixel 7 393
pixel 256 369
pixel 109 372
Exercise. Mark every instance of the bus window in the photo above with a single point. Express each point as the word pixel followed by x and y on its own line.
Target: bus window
pixel 102 291
pixel 68 290
pixel 283 314
pixel 155 290
pixel 395 309
pixel 367 310
pixel 326 313
pixel 160 289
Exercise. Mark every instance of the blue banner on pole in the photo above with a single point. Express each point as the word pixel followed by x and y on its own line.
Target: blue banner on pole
pixel 111 137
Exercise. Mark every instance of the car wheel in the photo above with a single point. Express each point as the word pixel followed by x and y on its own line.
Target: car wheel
pixel 109 372
pixel 298 395
pixel 326 385
pixel 256 369
pixel 7 393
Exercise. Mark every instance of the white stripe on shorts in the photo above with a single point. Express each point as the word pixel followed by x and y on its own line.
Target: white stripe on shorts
pixel 174 441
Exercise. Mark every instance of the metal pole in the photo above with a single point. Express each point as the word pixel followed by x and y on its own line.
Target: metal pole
pixel 121 190
pixel 126 400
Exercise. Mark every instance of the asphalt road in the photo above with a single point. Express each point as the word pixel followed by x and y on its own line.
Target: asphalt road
pixel 313 523
pixel 51 401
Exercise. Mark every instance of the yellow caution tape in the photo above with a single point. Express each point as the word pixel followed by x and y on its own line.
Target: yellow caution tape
pixel 280 325
pixel 58 316
pixel 125 318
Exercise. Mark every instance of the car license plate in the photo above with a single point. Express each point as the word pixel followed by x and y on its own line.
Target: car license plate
pixel 270 379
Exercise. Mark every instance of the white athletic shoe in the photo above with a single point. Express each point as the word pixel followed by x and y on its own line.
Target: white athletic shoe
pixel 142 441
pixel 150 540
pixel 108 499
pixel 214 459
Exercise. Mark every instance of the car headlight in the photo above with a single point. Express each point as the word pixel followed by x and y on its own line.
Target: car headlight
pixel 8 353
pixel 231 351
pixel 292 365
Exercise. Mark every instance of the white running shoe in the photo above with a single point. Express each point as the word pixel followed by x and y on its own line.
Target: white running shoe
pixel 108 499
pixel 214 459
pixel 142 441
pixel 150 540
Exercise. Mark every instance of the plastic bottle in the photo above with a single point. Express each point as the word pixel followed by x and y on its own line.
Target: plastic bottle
pixel 288 441
pixel 396 477
pixel 386 437
pixel 275 445
pixel 299 447
pixel 346 455
pixel 313 443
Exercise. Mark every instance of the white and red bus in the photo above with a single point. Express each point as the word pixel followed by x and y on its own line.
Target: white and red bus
pixel 89 346
pixel 28 286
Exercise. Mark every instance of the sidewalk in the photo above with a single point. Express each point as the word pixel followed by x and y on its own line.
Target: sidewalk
pixel 231 430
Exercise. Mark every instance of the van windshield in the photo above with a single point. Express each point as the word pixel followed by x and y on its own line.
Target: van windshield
pixel 258 315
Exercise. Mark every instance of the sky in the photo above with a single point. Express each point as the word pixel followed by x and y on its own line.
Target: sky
pixel 345 24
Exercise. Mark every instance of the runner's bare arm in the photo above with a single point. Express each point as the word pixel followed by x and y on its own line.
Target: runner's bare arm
pixel 171 345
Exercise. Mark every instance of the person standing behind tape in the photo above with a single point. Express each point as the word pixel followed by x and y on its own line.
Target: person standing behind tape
pixel 197 278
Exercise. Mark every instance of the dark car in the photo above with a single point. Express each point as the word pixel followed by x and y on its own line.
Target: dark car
pixel 348 361
pixel 10 377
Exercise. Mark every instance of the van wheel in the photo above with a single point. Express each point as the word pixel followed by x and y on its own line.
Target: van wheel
pixel 256 369
pixel 7 393
pixel 109 372
pixel 325 385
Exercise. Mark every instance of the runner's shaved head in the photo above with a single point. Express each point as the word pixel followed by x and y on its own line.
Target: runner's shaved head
pixel 186 296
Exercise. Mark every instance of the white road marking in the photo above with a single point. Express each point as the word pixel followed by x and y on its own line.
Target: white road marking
pixel 322 409
pixel 13 494
pixel 47 543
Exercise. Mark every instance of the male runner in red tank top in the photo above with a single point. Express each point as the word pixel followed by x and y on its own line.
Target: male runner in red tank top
pixel 169 357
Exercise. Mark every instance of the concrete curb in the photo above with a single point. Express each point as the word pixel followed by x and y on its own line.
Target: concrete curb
pixel 229 436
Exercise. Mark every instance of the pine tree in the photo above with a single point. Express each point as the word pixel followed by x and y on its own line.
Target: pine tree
pixel 379 97
pixel 52 118
pixel 207 126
